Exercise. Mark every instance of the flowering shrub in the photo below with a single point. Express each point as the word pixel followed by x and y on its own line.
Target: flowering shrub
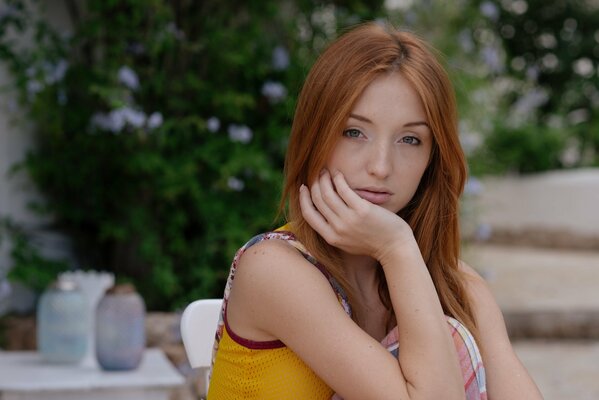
pixel 547 83
pixel 160 127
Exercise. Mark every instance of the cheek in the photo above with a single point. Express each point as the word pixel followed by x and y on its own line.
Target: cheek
pixel 338 160
pixel 410 179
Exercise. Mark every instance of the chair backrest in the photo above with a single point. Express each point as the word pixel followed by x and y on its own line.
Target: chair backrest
pixel 198 326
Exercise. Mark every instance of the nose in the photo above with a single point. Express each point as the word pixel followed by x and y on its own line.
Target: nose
pixel 380 162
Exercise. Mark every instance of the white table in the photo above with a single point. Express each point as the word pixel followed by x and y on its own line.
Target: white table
pixel 24 376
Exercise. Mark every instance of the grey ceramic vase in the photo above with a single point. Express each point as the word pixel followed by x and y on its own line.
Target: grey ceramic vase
pixel 62 323
pixel 120 329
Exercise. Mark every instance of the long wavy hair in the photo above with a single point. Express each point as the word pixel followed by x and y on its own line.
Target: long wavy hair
pixel 330 91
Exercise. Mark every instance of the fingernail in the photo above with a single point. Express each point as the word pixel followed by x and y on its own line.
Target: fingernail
pixel 323 171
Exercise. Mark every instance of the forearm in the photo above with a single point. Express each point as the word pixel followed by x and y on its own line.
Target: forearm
pixel 427 354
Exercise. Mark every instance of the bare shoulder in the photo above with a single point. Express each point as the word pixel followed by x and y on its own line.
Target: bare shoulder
pixel 273 275
pixel 274 262
pixel 478 289
pixel 488 315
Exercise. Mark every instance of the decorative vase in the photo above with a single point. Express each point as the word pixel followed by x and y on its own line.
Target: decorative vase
pixel 93 285
pixel 62 323
pixel 120 328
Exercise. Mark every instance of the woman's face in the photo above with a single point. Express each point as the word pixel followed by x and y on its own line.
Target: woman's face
pixel 386 144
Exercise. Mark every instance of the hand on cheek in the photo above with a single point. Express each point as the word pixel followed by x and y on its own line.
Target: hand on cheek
pixel 347 221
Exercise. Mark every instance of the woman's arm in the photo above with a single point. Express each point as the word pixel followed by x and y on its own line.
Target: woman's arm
pixel 428 363
pixel 506 376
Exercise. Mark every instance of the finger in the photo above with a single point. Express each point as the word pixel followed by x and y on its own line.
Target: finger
pixel 320 204
pixel 330 195
pixel 346 193
pixel 312 216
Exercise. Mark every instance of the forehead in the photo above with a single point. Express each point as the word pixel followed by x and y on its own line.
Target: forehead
pixel 390 96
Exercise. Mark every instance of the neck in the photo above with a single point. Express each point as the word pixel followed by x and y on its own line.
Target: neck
pixel 372 315
pixel 361 275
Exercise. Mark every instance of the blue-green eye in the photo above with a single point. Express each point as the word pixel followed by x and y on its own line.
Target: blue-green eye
pixel 352 133
pixel 411 140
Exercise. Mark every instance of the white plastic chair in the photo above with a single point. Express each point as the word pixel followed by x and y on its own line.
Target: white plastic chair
pixel 198 326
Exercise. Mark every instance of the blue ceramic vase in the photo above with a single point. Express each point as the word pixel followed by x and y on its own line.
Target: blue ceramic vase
pixel 120 329
pixel 62 323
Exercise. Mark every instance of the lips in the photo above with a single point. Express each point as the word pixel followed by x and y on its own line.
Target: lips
pixel 374 196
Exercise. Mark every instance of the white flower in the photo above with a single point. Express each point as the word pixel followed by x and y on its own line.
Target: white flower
pixel 113 121
pixel 235 184
pixel 275 92
pixel 55 72
pixel 240 133
pixel 492 58
pixel 489 10
pixel 155 120
pixel 470 140
pixel 519 7
pixel 280 58
pixel 135 118
pixel 584 67
pixel 578 116
pixel 34 87
pixel 465 40
pixel 550 61
pixel 117 119
pixel 518 63
pixel 128 77
pixel 547 40
pixel 213 124
pixel 531 100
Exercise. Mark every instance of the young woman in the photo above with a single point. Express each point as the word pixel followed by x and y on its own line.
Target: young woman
pixel 368 261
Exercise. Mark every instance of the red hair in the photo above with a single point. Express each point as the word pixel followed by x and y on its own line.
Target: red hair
pixel 330 91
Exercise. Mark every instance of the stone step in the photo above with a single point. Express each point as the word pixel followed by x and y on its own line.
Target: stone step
pixel 544 293
pixel 551 209
pixel 562 369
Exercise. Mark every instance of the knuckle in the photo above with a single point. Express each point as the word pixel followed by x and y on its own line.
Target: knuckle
pixel 362 211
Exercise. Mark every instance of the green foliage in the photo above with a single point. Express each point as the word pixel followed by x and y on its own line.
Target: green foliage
pixel 549 76
pixel 160 129
pixel 524 149
pixel 34 270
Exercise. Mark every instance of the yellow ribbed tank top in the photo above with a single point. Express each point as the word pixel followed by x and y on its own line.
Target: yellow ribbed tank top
pixel 267 374
pixel 245 369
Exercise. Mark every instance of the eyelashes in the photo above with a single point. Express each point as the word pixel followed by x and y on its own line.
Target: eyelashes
pixel 354 133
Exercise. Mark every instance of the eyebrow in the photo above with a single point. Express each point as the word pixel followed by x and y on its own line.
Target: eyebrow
pixel 409 124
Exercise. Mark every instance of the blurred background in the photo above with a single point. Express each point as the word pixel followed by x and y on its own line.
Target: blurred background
pixel 147 138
